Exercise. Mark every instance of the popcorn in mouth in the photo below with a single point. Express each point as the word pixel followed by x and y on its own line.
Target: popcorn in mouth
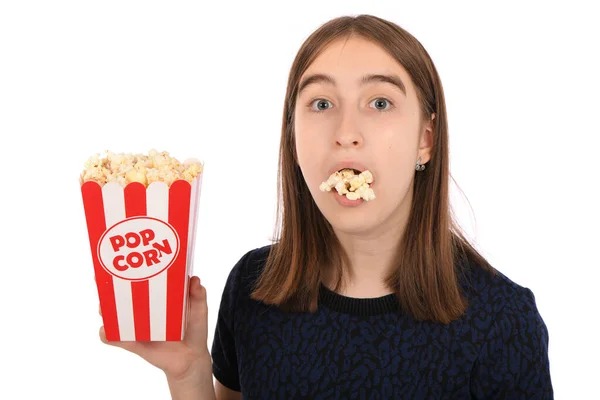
pixel 350 183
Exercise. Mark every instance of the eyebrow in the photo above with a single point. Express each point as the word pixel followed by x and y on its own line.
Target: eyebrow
pixel 323 78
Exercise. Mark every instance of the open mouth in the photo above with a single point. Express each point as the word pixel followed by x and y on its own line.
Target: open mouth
pixel 351 183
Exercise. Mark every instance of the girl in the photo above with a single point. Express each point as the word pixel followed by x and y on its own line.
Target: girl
pixel 377 299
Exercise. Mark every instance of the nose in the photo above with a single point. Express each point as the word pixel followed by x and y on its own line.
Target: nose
pixel 348 133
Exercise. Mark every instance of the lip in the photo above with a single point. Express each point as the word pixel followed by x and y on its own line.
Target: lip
pixel 343 200
pixel 349 164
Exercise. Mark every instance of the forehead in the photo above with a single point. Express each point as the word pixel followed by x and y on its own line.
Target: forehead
pixel 349 59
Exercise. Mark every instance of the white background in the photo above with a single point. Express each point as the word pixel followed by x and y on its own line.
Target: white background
pixel 207 80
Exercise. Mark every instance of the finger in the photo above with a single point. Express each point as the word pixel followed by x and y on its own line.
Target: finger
pixel 103 335
pixel 196 331
pixel 99 310
pixel 133 347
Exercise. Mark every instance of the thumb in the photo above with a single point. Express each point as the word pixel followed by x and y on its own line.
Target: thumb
pixel 196 334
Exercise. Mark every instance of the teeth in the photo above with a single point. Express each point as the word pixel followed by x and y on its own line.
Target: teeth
pixel 347 183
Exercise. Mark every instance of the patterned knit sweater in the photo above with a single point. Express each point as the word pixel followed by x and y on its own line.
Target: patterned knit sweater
pixel 368 349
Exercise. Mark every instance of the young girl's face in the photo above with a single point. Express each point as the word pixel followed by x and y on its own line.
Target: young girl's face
pixel 360 106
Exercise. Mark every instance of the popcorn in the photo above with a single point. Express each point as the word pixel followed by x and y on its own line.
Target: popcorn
pixel 347 183
pixel 126 168
pixel 142 241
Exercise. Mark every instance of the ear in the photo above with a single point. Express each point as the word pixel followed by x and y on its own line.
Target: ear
pixel 426 140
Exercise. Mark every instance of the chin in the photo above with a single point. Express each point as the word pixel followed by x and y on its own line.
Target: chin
pixel 352 221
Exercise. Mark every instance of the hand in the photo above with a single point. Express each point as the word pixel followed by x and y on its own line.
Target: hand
pixel 188 359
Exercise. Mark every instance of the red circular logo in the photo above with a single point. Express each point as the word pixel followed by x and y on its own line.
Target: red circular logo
pixel 138 248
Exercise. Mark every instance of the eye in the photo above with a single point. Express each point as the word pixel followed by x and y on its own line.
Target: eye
pixel 321 105
pixel 381 103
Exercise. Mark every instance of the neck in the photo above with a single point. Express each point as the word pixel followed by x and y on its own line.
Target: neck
pixel 372 255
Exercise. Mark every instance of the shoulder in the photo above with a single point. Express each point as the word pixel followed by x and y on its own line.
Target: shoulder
pixel 492 290
pixel 247 270
pixel 499 304
pixel 508 336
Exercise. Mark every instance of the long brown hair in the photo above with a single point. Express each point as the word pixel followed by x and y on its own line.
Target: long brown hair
pixel 426 279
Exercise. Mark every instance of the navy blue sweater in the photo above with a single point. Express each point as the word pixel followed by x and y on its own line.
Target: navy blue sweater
pixel 368 349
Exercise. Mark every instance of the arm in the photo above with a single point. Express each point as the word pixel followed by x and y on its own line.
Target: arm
pixel 513 362
pixel 224 352
pixel 224 393
pixel 192 389
pixel 181 390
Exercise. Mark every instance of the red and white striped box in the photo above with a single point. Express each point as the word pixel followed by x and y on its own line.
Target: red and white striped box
pixel 142 243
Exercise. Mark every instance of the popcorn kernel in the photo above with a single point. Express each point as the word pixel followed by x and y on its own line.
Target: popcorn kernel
pixel 125 168
pixel 347 183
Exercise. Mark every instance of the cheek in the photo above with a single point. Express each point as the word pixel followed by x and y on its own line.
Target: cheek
pixel 396 148
pixel 311 154
pixel 395 163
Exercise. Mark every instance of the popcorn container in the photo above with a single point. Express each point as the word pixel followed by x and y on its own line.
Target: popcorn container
pixel 142 243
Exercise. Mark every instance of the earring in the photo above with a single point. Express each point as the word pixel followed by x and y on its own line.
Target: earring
pixel 420 167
